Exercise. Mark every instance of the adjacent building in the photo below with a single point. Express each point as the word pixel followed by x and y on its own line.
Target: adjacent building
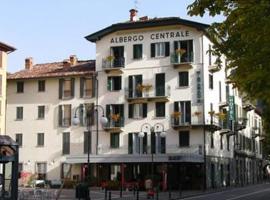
pixel 4 51
pixel 172 112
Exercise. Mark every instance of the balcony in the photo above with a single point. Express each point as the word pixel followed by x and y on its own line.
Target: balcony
pixel 213 124
pixel 240 123
pixel 195 149
pixel 179 61
pixel 223 104
pixel 214 68
pixel 113 65
pixel 114 125
pixel 178 122
pixel 248 107
pixel 160 94
pixel 225 127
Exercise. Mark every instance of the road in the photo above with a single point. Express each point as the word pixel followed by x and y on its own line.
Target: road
pixel 253 192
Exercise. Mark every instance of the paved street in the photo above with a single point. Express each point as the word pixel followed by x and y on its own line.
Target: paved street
pixel 257 192
pixel 253 192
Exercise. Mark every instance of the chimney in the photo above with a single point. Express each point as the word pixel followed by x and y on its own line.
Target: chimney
pixel 66 63
pixel 29 63
pixel 133 15
pixel 73 60
pixel 144 18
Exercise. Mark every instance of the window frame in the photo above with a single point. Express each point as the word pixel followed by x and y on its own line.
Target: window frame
pixel 185 82
pixel 140 51
pixel 111 80
pixel 19 115
pixel 19 139
pixel 20 86
pixel 114 144
pixel 40 137
pixel 184 142
pixel 41 86
pixel 159 109
pixel 160 48
pixel 40 115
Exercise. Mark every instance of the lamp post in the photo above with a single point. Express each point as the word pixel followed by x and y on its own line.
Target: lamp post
pixel 156 129
pixel 89 114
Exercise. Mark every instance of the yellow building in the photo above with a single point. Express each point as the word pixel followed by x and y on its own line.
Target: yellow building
pixel 4 51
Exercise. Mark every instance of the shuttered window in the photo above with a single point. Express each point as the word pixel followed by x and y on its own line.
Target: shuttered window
pixel 66 143
pixel 160 49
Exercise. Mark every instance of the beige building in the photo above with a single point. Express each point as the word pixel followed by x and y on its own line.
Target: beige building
pixel 4 51
pixel 42 100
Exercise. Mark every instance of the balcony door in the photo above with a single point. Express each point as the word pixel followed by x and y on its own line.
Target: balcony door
pixel 118 54
pixel 133 83
pixel 160 84
pixel 184 107
pixel 112 111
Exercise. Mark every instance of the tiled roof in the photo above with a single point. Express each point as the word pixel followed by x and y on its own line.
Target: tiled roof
pixel 154 22
pixel 56 69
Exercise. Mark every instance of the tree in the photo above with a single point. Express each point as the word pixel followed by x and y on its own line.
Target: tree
pixel 244 38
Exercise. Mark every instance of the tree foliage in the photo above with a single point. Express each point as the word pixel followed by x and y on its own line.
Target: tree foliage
pixel 244 38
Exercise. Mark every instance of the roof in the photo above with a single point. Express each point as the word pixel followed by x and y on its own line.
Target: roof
pixel 6 140
pixel 6 48
pixel 155 22
pixel 55 69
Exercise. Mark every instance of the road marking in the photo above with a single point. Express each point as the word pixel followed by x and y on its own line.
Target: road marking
pixel 249 194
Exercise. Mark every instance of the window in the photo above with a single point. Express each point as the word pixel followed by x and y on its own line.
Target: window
pixel 161 49
pixel 115 114
pixel 114 83
pixel 183 138
pixel 221 142
pixel 137 51
pixel 184 107
pixel 87 87
pixel 20 87
pixel 137 110
pixel 137 145
pixel 19 113
pixel 41 112
pixel 64 115
pixel 66 143
pixel 20 167
pixel 19 139
pixel 41 171
pixel 87 141
pixel 160 109
pixel 115 140
pixel 40 139
pixel 66 88
pixel 65 168
pixel 186 47
pixel 133 82
pixel 211 81
pixel 83 112
pixel 41 85
pixel 160 84
pixel 158 143
pixel 183 79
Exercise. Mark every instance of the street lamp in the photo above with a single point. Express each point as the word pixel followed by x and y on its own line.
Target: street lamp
pixel 156 128
pixel 89 114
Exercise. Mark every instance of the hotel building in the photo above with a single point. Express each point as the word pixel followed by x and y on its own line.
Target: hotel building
pixel 171 110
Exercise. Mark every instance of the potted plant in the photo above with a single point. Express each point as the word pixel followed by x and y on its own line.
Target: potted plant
pixel 115 117
pixel 221 115
pixel 110 59
pixel 140 87
pixel 197 113
pixel 176 114
pixel 211 113
pixel 179 52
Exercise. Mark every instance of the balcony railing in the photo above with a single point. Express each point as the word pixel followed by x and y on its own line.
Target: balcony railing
pixel 159 93
pixel 196 149
pixel 178 122
pixel 114 124
pixel 184 60
pixel 114 63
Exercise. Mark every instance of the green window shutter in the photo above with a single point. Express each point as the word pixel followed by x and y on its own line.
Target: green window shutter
pixel 130 110
pixel 130 143
pixel 60 116
pixel 153 50
pixel 167 48
pixel 61 81
pixel 82 86
pixel 72 87
pixel 144 110
pixel 109 84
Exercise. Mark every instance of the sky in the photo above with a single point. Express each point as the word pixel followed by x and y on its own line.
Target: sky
pixel 52 30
